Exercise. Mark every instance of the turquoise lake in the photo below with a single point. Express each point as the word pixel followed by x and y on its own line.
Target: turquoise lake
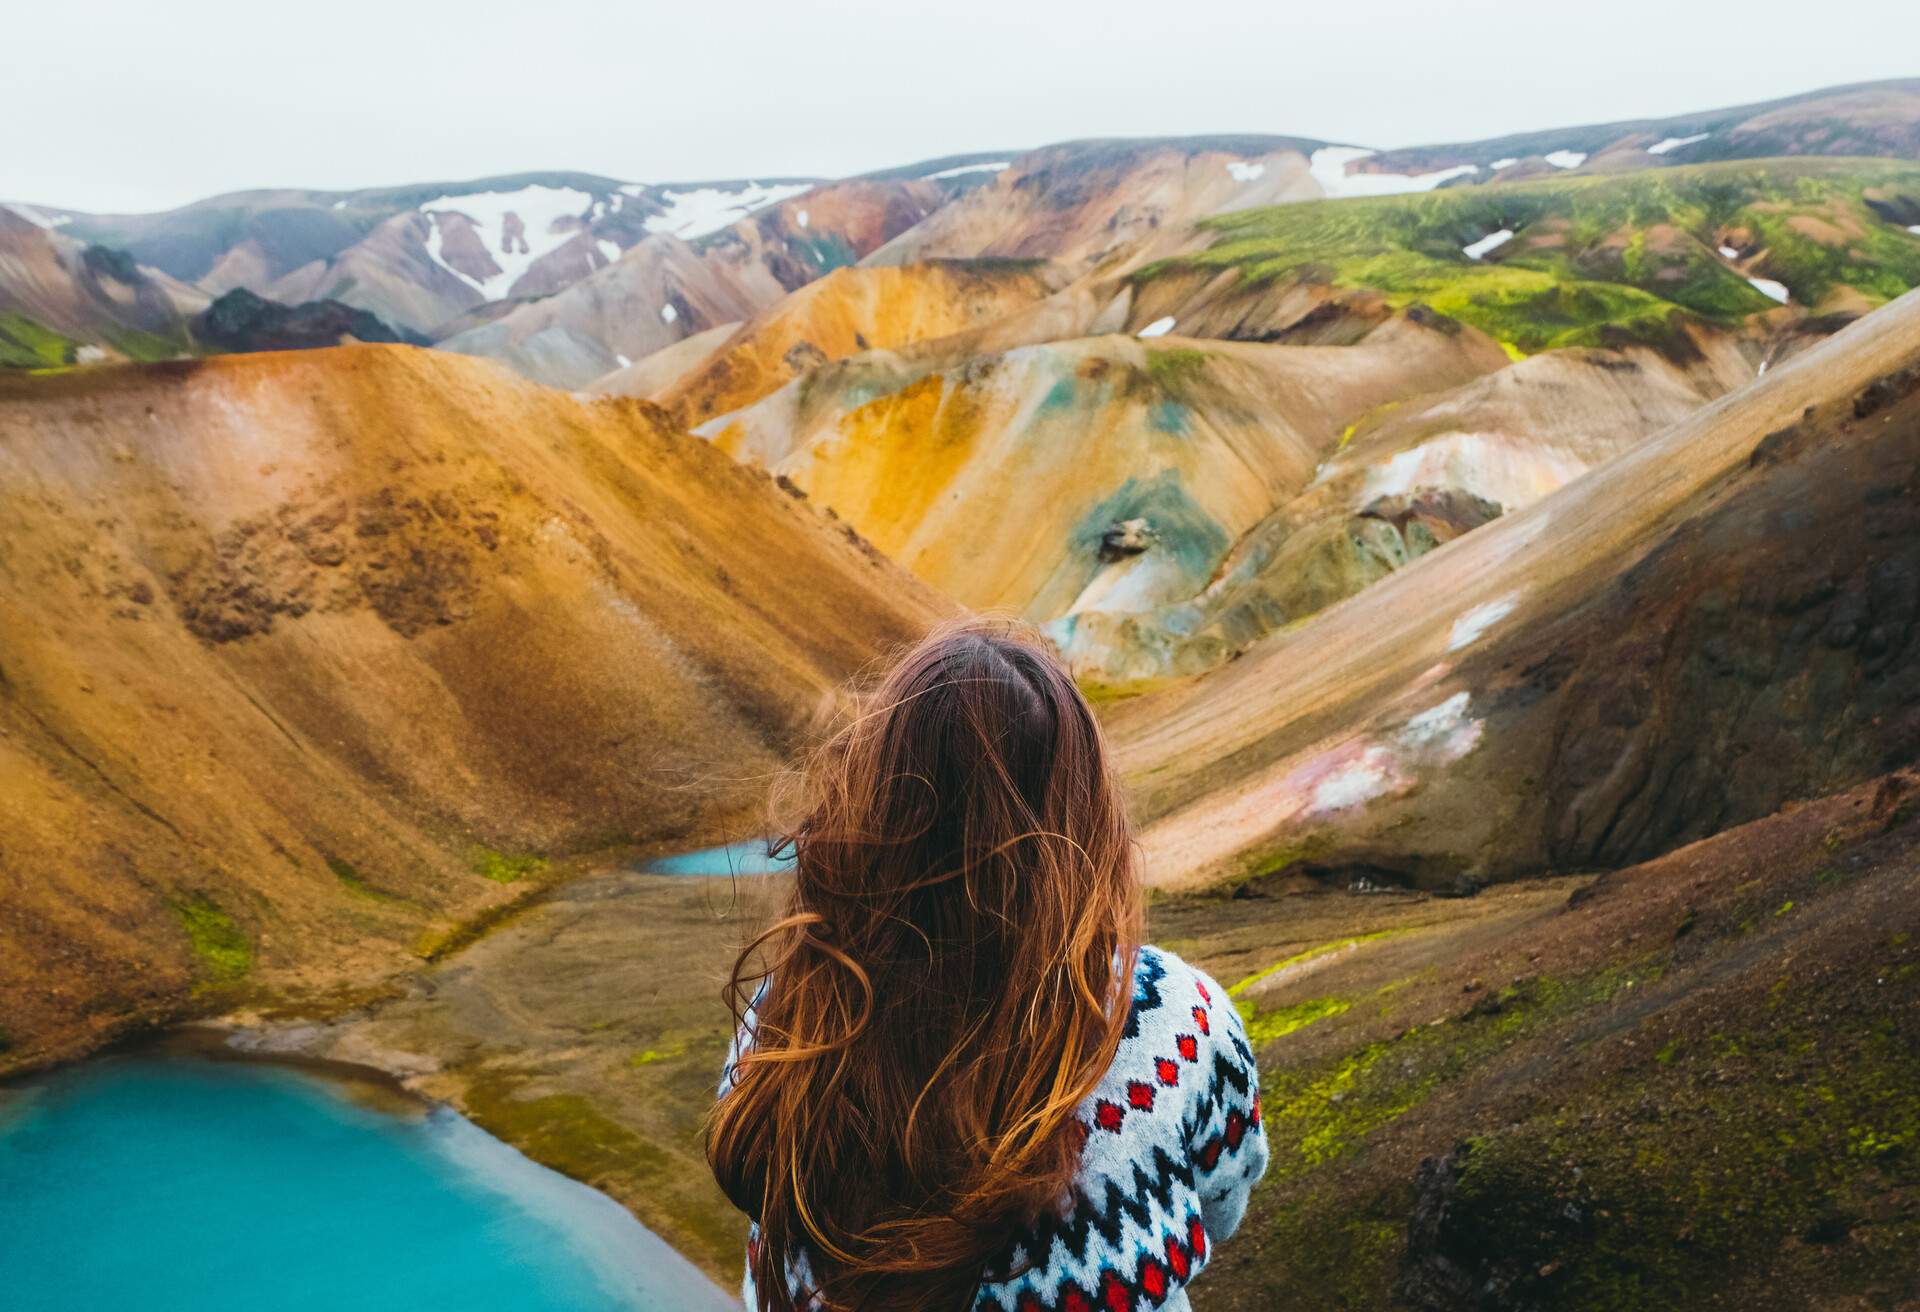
pixel 747 858
pixel 164 1184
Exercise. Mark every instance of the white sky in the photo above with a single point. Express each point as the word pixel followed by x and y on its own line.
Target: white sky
pixel 146 104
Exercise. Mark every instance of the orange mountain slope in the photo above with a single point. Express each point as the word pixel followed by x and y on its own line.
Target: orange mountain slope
pixel 300 654
pixel 848 311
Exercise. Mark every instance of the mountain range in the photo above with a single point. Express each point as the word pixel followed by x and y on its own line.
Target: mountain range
pixel 1493 564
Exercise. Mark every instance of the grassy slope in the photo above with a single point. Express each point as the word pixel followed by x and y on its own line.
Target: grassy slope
pixel 25 344
pixel 1595 261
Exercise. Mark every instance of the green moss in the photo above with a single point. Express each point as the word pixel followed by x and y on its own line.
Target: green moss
pixel 1175 368
pixel 221 946
pixel 1320 1112
pixel 1317 950
pixel 1266 1026
pixel 504 867
pixel 1584 269
pixel 648 1056
pixel 26 344
pixel 137 344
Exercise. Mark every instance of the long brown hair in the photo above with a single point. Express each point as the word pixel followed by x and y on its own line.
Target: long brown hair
pixel 945 987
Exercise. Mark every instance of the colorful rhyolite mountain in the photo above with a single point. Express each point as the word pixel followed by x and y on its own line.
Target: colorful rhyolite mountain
pixel 1431 521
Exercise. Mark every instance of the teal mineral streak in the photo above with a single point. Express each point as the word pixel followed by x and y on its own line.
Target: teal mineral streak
pixel 178 1185
pixel 1169 417
pixel 1184 532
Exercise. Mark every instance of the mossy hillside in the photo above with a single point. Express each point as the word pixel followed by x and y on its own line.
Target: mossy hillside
pixel 26 344
pixel 1720 1109
pixel 1594 260
pixel 1321 1112
pixel 1812 1152
pixel 1264 1026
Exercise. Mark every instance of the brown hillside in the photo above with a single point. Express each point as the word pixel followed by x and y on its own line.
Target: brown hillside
pixel 296 648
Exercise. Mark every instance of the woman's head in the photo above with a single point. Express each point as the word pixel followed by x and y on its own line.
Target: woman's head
pixel 946 983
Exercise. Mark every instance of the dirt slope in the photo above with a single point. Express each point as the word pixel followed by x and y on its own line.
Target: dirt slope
pixel 304 655
pixel 1713 623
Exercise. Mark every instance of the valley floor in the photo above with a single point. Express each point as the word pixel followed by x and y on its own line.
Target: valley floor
pixel 1696 1079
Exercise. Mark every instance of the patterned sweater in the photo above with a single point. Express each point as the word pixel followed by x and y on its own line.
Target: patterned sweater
pixel 1174 1145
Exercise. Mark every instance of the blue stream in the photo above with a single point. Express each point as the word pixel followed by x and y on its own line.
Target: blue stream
pixel 168 1184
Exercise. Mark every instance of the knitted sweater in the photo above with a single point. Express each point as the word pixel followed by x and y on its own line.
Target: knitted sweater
pixel 1174 1145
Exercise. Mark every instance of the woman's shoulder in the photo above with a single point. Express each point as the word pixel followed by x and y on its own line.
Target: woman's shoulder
pixel 1156 970
pixel 1175 1000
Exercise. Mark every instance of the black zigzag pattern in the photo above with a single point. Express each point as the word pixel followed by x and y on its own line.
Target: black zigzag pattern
pixel 1228 1076
pixel 1147 974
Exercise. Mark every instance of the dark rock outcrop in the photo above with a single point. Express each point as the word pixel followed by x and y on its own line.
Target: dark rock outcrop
pixel 242 321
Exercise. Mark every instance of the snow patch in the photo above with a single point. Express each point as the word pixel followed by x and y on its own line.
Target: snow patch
pixel 1486 464
pixel 1329 168
pixel 1729 253
pixel 1506 163
pixel 803 218
pixel 1478 249
pixel 339 205
pixel 1356 782
pixel 668 314
pixel 702 210
pixel 1158 328
pixel 1768 287
pixel 610 249
pixel 539 209
pixel 1674 143
pixel 624 361
pixel 958 170
pixel 89 355
pixel 1566 159
pixel 1245 172
pixel 1914 229
pixel 40 218
pixel 1442 734
pixel 1470 626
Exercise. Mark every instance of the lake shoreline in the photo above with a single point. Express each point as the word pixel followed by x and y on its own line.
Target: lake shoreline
pixel 274 1153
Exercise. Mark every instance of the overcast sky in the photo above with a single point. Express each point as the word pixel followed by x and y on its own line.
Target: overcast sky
pixel 135 105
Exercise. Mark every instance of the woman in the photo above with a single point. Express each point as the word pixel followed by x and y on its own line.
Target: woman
pixel 962 1082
